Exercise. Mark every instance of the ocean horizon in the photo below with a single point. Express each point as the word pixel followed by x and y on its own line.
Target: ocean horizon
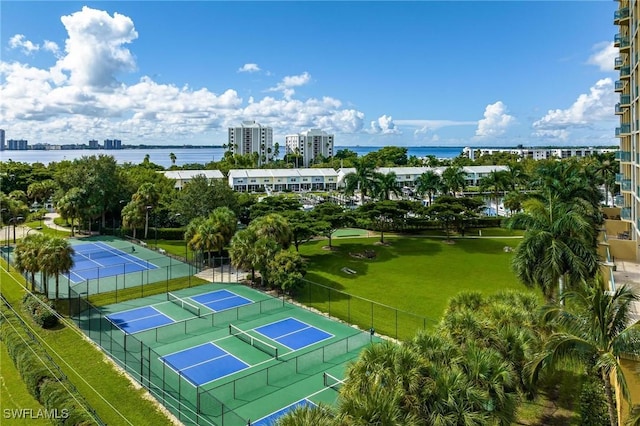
pixel 193 155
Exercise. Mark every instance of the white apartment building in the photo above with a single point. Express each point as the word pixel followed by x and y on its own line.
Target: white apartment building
pixel 251 137
pixel 182 177
pixel 309 145
pixel 537 153
pixel 258 180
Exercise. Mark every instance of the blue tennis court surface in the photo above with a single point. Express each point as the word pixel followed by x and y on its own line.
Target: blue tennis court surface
pixel 97 260
pixel 271 419
pixel 203 364
pixel 139 319
pixel 293 334
pixel 220 300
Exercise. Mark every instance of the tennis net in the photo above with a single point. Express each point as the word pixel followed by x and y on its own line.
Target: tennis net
pixel 332 382
pixel 183 304
pixel 253 341
pixel 98 254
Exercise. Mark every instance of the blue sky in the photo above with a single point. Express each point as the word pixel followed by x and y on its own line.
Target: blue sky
pixel 373 73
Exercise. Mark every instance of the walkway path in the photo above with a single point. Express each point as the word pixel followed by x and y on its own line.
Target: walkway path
pixel 628 273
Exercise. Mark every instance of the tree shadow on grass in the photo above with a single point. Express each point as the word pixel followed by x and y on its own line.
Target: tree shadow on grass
pixel 485 245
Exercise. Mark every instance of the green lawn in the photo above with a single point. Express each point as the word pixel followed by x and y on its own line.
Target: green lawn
pixel 413 274
pixel 14 394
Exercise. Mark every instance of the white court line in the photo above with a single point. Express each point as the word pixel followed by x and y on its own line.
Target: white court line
pixel 124 255
pixel 291 405
pixel 79 253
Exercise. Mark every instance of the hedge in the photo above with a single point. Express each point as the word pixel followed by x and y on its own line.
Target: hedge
pixel 41 310
pixel 47 385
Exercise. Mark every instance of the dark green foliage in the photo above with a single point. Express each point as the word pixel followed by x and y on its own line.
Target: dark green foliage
pixel 41 310
pixel 39 374
pixel 593 408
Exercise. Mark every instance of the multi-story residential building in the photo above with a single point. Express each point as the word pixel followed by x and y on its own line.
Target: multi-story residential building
pixel 258 180
pixel 626 17
pixel 251 138
pixel 93 144
pixel 183 177
pixel 537 153
pixel 310 145
pixel 17 145
pixel 112 144
pixel 2 136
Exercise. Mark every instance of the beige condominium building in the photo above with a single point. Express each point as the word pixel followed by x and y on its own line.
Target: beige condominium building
pixel 309 145
pixel 628 131
pixel 252 138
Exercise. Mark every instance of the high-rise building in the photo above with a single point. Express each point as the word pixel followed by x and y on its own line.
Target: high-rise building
pixel 249 138
pixel 309 146
pixel 17 145
pixel 627 40
pixel 112 144
pixel 93 144
pixel 2 135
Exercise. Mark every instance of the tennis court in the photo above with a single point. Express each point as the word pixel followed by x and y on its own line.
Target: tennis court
pixel 220 300
pixel 271 419
pixel 247 355
pixel 97 259
pixel 139 319
pixel 293 333
pixel 204 363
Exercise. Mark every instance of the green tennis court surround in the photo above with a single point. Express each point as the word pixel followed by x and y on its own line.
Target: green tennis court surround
pixel 269 372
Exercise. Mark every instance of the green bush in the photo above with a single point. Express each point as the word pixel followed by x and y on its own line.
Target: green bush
pixel 593 409
pixel 39 373
pixel 41 310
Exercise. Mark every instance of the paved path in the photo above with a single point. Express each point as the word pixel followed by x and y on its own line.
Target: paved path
pixel 628 273
pixel 48 220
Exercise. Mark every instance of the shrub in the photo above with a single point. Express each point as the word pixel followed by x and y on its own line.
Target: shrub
pixel 593 409
pixel 41 310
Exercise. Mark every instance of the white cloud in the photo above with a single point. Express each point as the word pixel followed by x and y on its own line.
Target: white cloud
pixel 249 68
pixel 95 50
pixel 604 56
pixel 51 47
pixel 77 99
pixel 19 41
pixel 286 86
pixel 495 121
pixel 384 125
pixel 589 108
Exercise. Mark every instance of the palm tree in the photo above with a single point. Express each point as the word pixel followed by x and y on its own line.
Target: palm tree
pixel 26 256
pixel 305 415
pixel 206 236
pixel 429 183
pixel 454 179
pixel 606 169
pixel 495 182
pixel 242 251
pixel 132 216
pixel 556 245
pixel 56 257
pixel 386 184
pixel 363 179
pixel 226 223
pixel 273 226
pixel 173 158
pixel 594 329
pixel 146 199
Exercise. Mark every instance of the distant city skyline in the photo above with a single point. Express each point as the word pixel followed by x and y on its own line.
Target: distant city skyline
pixel 371 73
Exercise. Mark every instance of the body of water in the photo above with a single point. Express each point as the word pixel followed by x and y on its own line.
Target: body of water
pixel 160 156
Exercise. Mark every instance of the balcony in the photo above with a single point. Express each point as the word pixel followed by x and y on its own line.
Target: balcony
pixel 624 129
pixel 625 100
pixel 618 200
pixel 625 71
pixel 619 177
pixel 623 156
pixel 620 15
pixel 621 42
pixel 625 213
pixel 619 109
pixel 617 63
pixel 625 185
pixel 619 86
